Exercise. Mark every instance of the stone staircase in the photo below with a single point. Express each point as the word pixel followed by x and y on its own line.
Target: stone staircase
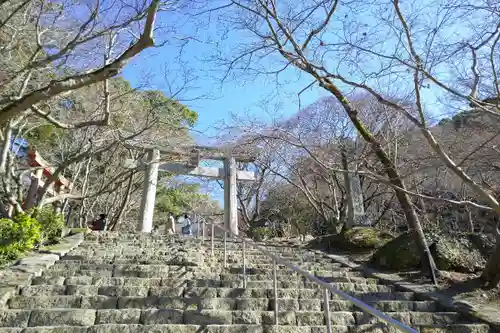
pixel 145 283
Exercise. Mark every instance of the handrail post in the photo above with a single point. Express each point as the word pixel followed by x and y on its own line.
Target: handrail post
pixel 275 284
pixel 225 249
pixel 327 311
pixel 212 238
pixel 244 266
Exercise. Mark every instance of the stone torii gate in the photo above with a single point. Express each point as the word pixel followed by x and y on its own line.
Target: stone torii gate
pixel 193 155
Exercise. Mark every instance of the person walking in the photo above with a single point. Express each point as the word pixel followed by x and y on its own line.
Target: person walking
pixel 170 225
pixel 187 228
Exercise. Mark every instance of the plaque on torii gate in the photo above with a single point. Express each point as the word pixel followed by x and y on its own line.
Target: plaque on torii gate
pixel 228 173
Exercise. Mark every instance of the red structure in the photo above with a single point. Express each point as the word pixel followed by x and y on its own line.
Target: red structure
pixel 35 160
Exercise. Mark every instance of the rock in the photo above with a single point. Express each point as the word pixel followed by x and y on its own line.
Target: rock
pixel 485 243
pixel 458 254
pixel 357 239
pixel 466 253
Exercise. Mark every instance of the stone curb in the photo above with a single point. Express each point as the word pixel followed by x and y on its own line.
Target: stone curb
pixel 21 273
pixel 486 314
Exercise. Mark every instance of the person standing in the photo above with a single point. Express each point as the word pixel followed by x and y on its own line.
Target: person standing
pixel 187 229
pixel 170 225
pixel 99 224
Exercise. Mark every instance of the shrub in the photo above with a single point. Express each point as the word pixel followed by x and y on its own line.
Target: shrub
pixel 51 224
pixel 261 233
pixel 18 236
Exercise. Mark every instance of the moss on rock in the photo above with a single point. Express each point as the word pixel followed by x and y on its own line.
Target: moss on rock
pixel 357 239
pixel 398 254
pixel 460 252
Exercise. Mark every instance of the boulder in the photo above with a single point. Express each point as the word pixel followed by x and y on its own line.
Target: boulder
pixel 357 239
pixel 464 252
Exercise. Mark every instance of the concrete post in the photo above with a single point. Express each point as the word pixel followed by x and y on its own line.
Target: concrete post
pixel 348 188
pixel 149 192
pixel 355 208
pixel 230 199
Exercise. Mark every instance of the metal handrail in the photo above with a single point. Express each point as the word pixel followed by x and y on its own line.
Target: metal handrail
pixel 276 259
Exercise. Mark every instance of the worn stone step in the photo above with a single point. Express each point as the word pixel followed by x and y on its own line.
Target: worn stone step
pixel 137 255
pixel 126 287
pixel 293 293
pixel 194 279
pixel 157 286
pixel 252 269
pixel 134 269
pixel 79 260
pixel 144 273
pixel 289 284
pixel 198 258
pixel 268 263
pixel 172 328
pixel 189 281
pixel 202 302
pixel 308 266
pixel 87 317
pixel 292 276
pixel 123 269
pixel 149 270
pixel 100 280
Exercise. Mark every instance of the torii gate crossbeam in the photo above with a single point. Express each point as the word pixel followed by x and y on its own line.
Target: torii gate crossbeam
pixel 228 173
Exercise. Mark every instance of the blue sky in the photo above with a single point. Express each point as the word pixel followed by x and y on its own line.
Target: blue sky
pixel 218 100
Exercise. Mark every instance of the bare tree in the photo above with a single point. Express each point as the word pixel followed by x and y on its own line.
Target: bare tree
pixel 292 31
pixel 306 38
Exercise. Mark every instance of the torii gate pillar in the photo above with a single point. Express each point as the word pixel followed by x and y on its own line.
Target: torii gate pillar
pixel 229 174
pixel 230 198
pixel 149 193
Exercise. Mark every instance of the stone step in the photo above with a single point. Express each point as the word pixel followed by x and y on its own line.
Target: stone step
pixel 151 282
pixel 201 302
pixel 206 246
pixel 190 281
pixel 336 281
pixel 88 317
pixel 165 272
pixel 319 272
pixel 252 268
pixel 111 257
pixel 150 272
pixel 210 292
pixel 128 283
pixel 291 276
pixel 344 286
pixel 173 328
pixel 205 249
pixel 78 260
pixel 150 257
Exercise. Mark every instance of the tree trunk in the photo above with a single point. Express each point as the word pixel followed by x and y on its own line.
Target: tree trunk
pixel 491 274
pixel 6 148
pixel 389 165
pixel 32 193
pixel 124 203
pixel 428 264
pixel 347 183
pixel 83 212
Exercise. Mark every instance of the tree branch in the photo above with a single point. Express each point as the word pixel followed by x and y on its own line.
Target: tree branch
pixel 78 81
